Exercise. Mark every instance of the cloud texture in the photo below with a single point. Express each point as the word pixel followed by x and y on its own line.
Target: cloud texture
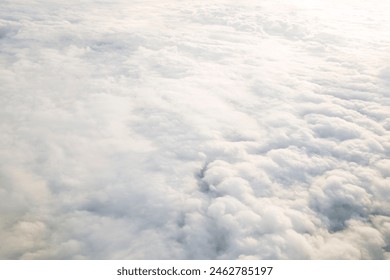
pixel 194 129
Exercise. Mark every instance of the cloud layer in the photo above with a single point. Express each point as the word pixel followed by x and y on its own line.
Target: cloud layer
pixel 191 130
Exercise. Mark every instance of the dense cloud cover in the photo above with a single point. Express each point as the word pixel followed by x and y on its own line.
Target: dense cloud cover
pixel 194 129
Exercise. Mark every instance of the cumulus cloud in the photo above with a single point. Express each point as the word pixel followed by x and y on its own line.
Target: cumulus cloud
pixel 194 130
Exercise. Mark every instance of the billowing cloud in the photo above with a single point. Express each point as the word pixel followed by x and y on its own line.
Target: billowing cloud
pixel 194 130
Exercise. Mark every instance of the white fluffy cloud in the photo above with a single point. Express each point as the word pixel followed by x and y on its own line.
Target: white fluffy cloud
pixel 194 130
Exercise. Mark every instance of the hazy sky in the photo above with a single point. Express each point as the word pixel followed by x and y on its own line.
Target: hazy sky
pixel 194 129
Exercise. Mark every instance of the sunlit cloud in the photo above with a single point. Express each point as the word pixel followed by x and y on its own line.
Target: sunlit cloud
pixel 194 130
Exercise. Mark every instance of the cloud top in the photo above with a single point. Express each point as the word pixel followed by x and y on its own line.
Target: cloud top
pixel 183 130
